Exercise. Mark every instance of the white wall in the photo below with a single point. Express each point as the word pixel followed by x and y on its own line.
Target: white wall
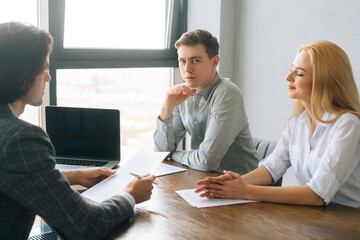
pixel 269 33
pixel 204 14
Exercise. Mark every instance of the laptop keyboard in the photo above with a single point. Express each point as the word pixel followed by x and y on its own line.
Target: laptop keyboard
pixel 45 236
pixel 80 162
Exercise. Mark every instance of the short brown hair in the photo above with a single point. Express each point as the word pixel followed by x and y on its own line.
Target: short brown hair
pixel 199 36
pixel 23 51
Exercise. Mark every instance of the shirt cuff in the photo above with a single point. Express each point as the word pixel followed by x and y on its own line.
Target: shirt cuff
pixel 161 137
pixel 275 166
pixel 129 198
pixel 324 184
pixel 162 125
pixel 177 156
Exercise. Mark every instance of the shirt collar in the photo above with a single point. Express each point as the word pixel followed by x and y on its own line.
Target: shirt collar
pixel 206 91
pixel 12 110
pixel 327 117
pixel 304 117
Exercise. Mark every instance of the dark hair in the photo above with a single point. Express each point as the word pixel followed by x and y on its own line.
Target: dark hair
pixel 199 36
pixel 23 51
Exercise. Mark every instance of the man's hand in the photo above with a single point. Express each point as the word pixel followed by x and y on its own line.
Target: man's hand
pixel 175 96
pixel 88 177
pixel 141 189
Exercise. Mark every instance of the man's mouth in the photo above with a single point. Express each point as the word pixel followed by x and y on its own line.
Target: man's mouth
pixel 189 78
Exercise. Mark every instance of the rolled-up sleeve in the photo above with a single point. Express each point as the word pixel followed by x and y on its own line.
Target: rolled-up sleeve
pixel 338 161
pixel 324 184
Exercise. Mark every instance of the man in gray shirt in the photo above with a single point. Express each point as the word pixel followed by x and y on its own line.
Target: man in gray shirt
pixel 209 108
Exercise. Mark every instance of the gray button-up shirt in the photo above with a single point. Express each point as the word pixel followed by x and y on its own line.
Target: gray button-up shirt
pixel 220 136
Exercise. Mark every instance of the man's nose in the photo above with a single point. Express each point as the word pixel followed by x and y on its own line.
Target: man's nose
pixel 188 67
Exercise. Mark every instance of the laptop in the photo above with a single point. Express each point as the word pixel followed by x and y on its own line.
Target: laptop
pixel 84 137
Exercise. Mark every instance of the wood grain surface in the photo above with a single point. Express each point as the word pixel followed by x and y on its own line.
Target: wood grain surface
pixel 167 216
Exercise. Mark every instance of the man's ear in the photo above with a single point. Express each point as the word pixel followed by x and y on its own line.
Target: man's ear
pixel 216 60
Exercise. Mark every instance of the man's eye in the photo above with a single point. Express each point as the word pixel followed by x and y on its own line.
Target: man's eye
pixel 196 60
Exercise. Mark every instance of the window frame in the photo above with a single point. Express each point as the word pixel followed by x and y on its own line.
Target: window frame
pixel 72 58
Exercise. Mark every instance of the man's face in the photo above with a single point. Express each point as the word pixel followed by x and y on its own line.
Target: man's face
pixel 197 70
pixel 35 94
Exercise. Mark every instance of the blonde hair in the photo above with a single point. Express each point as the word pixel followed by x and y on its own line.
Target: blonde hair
pixel 333 89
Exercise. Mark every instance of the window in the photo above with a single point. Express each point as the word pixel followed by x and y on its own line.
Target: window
pixel 10 11
pixel 27 13
pixel 118 54
pixel 137 92
pixel 119 24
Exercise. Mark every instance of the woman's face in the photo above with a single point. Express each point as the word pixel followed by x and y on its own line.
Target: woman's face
pixel 300 77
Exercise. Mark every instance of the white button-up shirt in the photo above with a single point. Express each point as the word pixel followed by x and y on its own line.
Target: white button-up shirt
pixel 328 162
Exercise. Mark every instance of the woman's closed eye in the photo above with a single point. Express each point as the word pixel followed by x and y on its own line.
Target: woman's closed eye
pixel 297 74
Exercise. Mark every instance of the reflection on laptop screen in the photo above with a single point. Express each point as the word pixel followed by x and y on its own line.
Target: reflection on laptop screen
pixel 84 133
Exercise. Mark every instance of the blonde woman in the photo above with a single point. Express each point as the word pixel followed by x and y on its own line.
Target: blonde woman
pixel 320 141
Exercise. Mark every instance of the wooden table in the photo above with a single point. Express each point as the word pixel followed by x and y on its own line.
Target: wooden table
pixel 167 216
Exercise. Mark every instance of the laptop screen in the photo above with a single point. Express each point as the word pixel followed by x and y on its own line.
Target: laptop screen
pixel 84 133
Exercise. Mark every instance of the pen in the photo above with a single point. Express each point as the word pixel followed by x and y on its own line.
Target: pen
pixel 139 177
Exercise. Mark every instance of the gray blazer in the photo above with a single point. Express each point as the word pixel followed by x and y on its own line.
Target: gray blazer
pixel 30 185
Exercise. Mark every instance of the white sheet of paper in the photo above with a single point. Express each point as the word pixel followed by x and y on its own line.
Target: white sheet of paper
pixel 165 169
pixel 195 200
pixel 140 164
pixel 144 162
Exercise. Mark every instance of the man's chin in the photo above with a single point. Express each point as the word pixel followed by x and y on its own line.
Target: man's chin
pixel 36 104
pixel 190 84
